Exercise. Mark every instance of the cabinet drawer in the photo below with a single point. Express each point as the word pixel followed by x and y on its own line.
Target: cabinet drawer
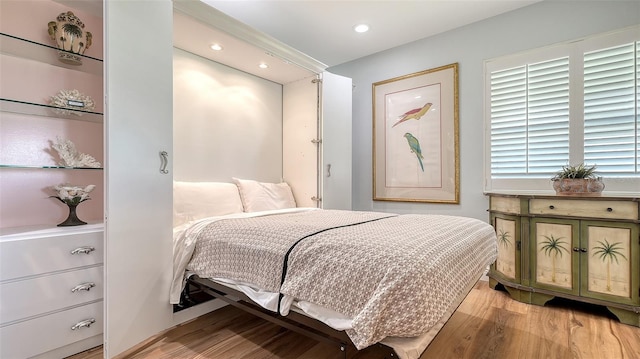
pixel 29 254
pixel 26 298
pixel 32 337
pixel 584 208
pixel 505 204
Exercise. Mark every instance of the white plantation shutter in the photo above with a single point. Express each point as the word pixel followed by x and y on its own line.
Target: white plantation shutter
pixel 637 107
pixel 548 105
pixel 509 122
pixel 571 103
pixel 530 119
pixel 610 110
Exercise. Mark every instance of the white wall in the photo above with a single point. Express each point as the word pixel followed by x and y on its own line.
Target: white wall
pixel 538 25
pixel 227 123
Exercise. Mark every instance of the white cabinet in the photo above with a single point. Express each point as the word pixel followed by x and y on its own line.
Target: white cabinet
pixel 51 288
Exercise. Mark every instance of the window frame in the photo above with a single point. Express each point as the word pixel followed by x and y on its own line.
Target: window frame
pixel 575 50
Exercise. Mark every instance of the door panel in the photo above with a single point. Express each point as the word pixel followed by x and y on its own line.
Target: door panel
pixel 335 170
pixel 299 128
pixel 508 261
pixel 555 265
pixel 138 206
pixel 609 271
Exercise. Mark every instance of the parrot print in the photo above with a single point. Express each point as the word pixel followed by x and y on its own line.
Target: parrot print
pixel 414 144
pixel 415 114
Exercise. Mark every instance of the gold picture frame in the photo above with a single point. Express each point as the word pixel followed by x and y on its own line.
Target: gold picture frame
pixel 415 137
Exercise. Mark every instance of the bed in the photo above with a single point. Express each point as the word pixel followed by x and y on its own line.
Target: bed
pixel 371 278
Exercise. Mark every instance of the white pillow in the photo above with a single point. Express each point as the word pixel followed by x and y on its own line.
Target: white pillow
pixel 259 196
pixel 197 200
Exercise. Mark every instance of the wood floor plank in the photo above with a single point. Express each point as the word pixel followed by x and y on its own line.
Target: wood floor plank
pixel 488 324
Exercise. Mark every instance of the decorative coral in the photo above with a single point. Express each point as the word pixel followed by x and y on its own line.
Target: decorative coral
pixel 67 101
pixel 70 156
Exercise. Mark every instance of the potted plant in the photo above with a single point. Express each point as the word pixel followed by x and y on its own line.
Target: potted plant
pixel 578 180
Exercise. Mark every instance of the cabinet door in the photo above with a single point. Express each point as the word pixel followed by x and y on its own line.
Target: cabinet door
pixel 507 264
pixel 335 170
pixel 554 262
pixel 299 130
pixel 610 265
pixel 138 262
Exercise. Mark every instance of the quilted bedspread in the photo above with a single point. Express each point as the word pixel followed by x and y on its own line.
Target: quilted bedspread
pixel 395 275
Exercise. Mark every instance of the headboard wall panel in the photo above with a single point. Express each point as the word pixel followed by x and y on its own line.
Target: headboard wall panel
pixel 227 123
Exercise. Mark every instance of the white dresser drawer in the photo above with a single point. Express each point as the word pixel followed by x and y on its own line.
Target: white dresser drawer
pixel 32 253
pixel 25 298
pixel 32 337
pixel 585 208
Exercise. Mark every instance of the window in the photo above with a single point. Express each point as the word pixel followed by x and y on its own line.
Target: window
pixel 565 104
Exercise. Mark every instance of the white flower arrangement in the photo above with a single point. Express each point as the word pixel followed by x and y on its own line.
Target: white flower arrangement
pixel 73 195
pixel 71 100
pixel 70 156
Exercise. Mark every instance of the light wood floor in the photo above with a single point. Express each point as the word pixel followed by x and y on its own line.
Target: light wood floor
pixel 488 324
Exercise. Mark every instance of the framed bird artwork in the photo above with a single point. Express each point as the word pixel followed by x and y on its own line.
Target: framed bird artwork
pixel 415 137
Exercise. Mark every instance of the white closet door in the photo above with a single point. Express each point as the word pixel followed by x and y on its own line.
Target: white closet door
pixel 335 170
pixel 138 204
pixel 299 132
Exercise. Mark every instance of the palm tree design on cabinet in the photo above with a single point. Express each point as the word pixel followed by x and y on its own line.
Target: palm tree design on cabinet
pixel 504 241
pixel 553 247
pixel 608 251
pixel 503 238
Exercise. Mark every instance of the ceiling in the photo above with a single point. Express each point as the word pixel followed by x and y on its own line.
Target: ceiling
pixel 323 29
pixel 300 38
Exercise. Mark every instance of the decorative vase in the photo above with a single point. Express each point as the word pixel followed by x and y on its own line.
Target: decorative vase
pixel 590 187
pixel 72 219
pixel 68 33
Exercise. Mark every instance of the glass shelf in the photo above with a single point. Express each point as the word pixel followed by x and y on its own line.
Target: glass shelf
pixel 36 109
pixel 27 49
pixel 52 167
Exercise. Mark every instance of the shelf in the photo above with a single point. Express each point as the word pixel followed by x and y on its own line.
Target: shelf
pixel 51 167
pixel 36 109
pixel 27 49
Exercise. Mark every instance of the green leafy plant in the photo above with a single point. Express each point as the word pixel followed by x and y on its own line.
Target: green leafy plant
pixel 577 171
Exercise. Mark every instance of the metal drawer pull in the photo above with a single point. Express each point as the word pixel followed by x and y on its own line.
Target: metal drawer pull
pixel 84 286
pixel 83 324
pixel 85 250
pixel 552 207
pixel 609 209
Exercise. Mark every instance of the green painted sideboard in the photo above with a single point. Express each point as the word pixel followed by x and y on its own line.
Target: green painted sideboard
pixel 580 248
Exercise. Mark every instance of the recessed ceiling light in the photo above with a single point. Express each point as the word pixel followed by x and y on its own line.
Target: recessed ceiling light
pixel 216 47
pixel 361 28
pixel 263 66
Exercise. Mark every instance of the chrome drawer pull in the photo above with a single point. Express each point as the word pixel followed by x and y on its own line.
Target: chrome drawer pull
pixel 84 286
pixel 85 250
pixel 83 324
